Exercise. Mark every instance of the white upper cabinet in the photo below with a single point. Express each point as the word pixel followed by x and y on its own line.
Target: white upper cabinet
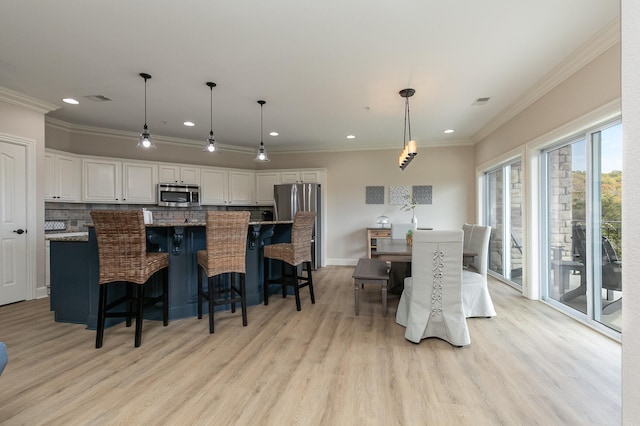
pixel 226 187
pixel 101 181
pixel 139 182
pixel 241 187
pixel 213 186
pixel 301 176
pixel 179 174
pixel 63 177
pixel 108 181
pixel 264 187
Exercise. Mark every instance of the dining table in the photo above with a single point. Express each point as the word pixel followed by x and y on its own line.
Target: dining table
pixel 398 250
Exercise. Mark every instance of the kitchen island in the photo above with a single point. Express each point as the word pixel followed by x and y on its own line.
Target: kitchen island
pixel 75 268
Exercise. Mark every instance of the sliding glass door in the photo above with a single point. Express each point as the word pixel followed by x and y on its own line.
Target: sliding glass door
pixel 504 215
pixel 582 211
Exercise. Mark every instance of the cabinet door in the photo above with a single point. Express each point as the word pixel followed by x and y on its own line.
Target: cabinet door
pixel 101 181
pixel 310 176
pixel 213 186
pixel 67 175
pixel 190 175
pixel 290 177
pixel 241 187
pixel 264 187
pixel 50 192
pixel 169 174
pixel 139 183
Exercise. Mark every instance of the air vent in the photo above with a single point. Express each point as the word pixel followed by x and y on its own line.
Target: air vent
pixel 98 98
pixel 481 101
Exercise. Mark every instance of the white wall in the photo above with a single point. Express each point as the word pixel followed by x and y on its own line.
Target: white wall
pixel 630 207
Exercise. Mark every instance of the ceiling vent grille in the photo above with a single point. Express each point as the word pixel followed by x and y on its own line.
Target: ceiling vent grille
pixel 98 98
pixel 481 101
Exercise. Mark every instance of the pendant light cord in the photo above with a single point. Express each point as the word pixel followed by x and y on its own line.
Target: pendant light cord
pixel 211 101
pixel 261 131
pixel 145 102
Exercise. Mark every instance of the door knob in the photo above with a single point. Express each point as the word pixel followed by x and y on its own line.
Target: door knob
pixel 20 231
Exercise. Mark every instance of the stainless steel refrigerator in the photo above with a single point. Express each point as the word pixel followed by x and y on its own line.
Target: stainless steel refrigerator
pixel 290 198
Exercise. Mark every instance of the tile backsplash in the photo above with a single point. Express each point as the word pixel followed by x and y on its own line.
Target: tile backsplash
pixel 76 216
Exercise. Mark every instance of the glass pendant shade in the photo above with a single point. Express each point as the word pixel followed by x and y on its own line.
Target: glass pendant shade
pixel 262 154
pixel 146 142
pixel 212 145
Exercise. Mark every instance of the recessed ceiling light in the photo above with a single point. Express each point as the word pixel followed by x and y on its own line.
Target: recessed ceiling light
pixel 189 123
pixel 351 137
pixel 70 101
pixel 449 131
pixel 273 133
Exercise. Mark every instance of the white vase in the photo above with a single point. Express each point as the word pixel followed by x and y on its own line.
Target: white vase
pixel 414 221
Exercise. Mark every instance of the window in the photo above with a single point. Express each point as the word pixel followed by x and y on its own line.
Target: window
pixel 504 215
pixel 582 207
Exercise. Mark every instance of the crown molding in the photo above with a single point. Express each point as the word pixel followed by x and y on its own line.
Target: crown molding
pixel 591 49
pixel 166 140
pixel 15 98
pixel 358 148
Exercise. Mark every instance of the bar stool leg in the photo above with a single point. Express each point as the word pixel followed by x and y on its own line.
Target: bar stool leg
pixel 243 299
pixel 165 297
pixel 200 271
pixel 211 298
pixel 101 308
pixel 140 302
pixel 265 284
pixel 232 290
pixel 310 281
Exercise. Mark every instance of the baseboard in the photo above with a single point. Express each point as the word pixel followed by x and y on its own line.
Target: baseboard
pixel 342 262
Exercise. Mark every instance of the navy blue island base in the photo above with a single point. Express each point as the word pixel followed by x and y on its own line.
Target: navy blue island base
pixel 74 270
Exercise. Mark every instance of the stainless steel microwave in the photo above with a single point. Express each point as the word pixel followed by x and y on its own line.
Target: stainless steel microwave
pixel 173 195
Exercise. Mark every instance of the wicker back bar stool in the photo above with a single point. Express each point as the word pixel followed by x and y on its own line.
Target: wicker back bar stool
pixel 225 254
pixel 292 254
pixel 123 257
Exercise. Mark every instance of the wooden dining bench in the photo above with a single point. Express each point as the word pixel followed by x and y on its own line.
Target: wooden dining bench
pixel 370 271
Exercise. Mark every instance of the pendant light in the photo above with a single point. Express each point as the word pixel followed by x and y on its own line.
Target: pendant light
pixel 145 138
pixel 409 149
pixel 211 145
pixel 262 154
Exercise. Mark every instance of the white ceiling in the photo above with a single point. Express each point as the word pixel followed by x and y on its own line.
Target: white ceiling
pixel 326 69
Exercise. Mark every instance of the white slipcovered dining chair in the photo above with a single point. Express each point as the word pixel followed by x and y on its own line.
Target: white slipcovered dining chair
pixel 476 300
pixel 431 303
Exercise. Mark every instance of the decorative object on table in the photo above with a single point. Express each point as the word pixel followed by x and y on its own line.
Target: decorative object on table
pixel 211 145
pixel 410 237
pixel 409 149
pixel 409 205
pixel 374 195
pixel 422 194
pixel 262 154
pixel 398 195
pixel 383 222
pixel 145 138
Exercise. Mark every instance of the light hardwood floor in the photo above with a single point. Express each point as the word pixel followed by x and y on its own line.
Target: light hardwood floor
pixel 321 366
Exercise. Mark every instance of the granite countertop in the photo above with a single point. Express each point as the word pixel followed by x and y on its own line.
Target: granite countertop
pixel 167 224
pixel 83 236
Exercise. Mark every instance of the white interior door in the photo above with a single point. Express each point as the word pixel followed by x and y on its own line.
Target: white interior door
pixel 13 222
